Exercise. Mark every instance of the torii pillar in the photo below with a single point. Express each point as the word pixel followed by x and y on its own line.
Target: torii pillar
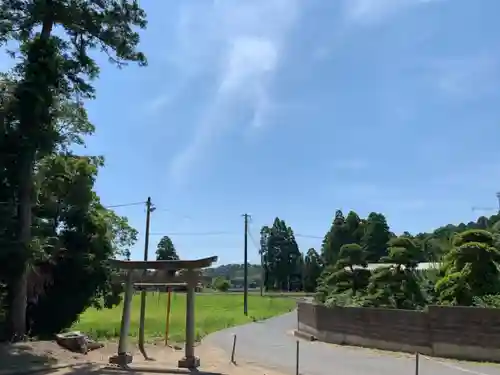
pixel 189 360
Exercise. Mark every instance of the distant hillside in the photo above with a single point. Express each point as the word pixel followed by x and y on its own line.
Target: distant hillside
pixel 234 271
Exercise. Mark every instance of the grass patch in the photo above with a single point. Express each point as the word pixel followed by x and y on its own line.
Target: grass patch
pixel 266 294
pixel 213 313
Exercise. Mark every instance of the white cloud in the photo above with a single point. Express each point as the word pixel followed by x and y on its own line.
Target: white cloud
pixel 158 103
pixel 356 14
pixel 367 11
pixel 372 11
pixel 241 43
pixel 249 59
pixel 465 76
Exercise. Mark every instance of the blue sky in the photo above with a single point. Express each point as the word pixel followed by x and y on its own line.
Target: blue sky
pixel 294 108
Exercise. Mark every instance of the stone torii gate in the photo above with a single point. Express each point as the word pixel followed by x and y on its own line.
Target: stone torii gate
pixel 190 278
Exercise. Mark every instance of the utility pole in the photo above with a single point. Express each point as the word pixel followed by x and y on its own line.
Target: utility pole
pixel 245 268
pixel 149 209
pixel 261 273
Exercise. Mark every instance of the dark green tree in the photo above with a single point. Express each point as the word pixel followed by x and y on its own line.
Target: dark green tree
pixel 281 257
pixel 470 269
pixel 376 237
pixel 165 249
pixel 348 275
pixel 312 270
pixel 397 285
pixel 61 179
pixel 337 236
pixel 74 236
pixel 51 66
pixel 482 223
pixel 268 258
pixel 355 227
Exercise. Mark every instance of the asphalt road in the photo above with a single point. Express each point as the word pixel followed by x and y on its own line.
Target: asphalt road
pixel 271 344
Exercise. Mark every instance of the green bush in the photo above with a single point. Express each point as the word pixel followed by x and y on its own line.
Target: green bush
pixel 491 301
pixel 345 299
pixel 221 284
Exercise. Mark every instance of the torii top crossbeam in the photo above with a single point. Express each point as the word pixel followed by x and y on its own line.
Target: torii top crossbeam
pixel 168 265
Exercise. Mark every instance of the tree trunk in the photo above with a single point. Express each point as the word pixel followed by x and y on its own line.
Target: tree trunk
pixel 28 124
pixel 20 287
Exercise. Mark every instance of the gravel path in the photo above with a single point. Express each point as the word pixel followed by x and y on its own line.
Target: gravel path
pixel 271 344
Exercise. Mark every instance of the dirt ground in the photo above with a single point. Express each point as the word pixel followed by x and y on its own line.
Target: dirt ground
pixel 50 358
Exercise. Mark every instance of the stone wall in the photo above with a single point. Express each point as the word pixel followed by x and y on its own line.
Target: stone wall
pixel 460 332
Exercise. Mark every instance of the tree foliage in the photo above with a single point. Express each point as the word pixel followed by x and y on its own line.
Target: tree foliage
pixel 397 285
pixel 376 237
pixel 311 270
pixel 468 254
pixel 349 274
pixel 281 258
pixel 221 284
pixel 41 115
pixel 334 239
pixel 165 249
pixel 470 269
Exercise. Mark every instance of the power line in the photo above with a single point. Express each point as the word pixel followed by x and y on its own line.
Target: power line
pixel 299 235
pixel 252 239
pixel 110 206
pixel 295 235
pixel 185 217
pixel 193 234
pixel 309 236
pixel 212 233
pixel 126 204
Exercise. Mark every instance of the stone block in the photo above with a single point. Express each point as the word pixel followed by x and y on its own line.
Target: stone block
pixel 121 359
pixel 189 362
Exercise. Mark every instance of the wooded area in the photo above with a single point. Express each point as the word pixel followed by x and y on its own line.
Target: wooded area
pixel 55 234
pixel 466 260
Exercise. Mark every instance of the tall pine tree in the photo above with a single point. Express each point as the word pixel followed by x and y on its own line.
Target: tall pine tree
pixel 312 270
pixel 376 237
pixel 281 256
pixel 334 239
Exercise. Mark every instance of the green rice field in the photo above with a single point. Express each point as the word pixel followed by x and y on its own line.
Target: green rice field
pixel 213 312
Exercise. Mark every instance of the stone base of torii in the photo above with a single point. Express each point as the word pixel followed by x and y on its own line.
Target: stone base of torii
pixel 189 278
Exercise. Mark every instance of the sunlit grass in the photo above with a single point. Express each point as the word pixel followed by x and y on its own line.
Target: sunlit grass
pixel 213 312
